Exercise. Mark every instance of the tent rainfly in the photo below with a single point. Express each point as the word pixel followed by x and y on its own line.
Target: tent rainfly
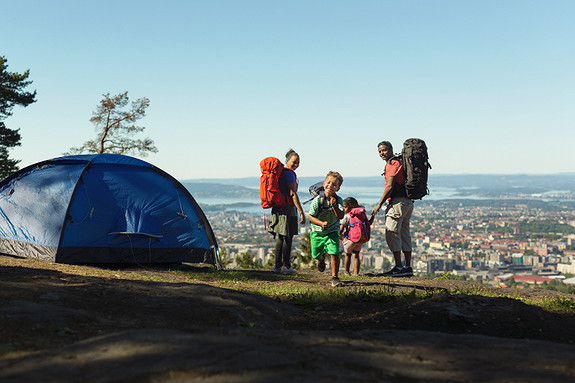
pixel 102 208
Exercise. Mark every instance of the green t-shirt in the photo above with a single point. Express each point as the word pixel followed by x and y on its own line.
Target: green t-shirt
pixel 326 214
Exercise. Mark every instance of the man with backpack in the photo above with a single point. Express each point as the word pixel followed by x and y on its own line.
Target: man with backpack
pixel 398 211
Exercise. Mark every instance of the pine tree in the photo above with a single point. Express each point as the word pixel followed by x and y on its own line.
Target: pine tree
pixel 11 93
pixel 115 126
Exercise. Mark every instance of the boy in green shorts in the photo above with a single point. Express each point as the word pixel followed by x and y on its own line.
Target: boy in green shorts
pixel 324 216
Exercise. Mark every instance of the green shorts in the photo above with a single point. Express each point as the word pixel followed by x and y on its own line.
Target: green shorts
pixel 324 243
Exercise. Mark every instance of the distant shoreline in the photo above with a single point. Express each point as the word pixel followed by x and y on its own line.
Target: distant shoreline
pixel 255 207
pixel 543 183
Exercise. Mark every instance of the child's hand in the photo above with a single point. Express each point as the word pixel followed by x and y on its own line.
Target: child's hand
pixel 324 225
pixel 333 200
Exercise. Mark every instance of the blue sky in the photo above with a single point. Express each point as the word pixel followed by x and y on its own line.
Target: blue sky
pixel 489 85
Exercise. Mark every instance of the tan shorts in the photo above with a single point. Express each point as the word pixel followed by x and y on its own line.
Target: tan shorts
pixel 397 219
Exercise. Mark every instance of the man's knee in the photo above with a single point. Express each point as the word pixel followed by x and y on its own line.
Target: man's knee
pixel 393 241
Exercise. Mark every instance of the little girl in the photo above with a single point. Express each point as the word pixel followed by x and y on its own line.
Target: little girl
pixel 350 248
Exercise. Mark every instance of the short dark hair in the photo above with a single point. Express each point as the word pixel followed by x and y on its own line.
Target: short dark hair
pixel 351 202
pixel 385 143
pixel 335 175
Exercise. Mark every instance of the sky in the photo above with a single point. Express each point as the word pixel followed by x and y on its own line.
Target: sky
pixel 489 85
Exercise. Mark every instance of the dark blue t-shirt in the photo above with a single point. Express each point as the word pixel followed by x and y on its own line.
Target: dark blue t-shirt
pixel 288 177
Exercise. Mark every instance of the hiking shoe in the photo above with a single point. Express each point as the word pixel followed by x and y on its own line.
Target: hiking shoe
pixel 395 272
pixel 335 282
pixel 321 266
pixel 288 270
pixel 407 271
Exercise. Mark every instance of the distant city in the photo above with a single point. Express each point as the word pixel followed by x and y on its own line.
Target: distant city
pixel 500 230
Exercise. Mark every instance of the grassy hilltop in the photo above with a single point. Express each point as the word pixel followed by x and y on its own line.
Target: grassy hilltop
pixel 63 323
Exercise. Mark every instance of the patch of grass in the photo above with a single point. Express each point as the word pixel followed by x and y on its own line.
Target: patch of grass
pixel 474 290
pixel 557 304
pixel 225 276
pixel 342 296
pixel 6 348
pixel 443 276
pixel 298 290
pixel 154 279
pixel 273 290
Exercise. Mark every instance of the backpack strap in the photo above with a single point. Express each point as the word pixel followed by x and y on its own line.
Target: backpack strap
pixel 308 201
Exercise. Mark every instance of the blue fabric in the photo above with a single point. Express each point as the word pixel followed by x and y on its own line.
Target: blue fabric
pixel 104 158
pixel 33 206
pixel 98 201
pixel 116 199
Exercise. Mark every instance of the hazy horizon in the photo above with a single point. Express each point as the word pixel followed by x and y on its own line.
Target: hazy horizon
pixel 564 174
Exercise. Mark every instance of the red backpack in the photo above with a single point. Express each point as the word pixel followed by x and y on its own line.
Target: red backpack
pixel 359 227
pixel 270 193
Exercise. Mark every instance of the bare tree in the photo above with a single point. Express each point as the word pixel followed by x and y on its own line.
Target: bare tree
pixel 115 127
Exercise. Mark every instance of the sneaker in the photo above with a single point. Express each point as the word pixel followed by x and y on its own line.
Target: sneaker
pixel 288 270
pixel 335 282
pixel 276 270
pixel 407 271
pixel 347 273
pixel 395 272
pixel 321 265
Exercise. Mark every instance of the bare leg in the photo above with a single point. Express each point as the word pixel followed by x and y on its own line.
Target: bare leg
pixel 334 265
pixel 356 263
pixel 407 255
pixel 397 257
pixel 347 261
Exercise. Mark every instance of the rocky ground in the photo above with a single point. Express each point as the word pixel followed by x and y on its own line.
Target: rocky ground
pixel 63 323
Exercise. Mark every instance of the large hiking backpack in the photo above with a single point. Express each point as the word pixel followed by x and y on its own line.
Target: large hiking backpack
pixel 359 227
pixel 270 192
pixel 415 162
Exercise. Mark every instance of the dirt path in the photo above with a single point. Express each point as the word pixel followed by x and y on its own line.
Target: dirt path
pixel 62 323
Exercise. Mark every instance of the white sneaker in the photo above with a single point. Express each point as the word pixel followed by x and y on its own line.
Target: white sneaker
pixel 276 270
pixel 286 271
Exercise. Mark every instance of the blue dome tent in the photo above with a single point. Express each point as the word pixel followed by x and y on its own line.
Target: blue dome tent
pixel 102 208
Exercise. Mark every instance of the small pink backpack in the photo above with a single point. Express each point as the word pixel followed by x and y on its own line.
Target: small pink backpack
pixel 359 227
